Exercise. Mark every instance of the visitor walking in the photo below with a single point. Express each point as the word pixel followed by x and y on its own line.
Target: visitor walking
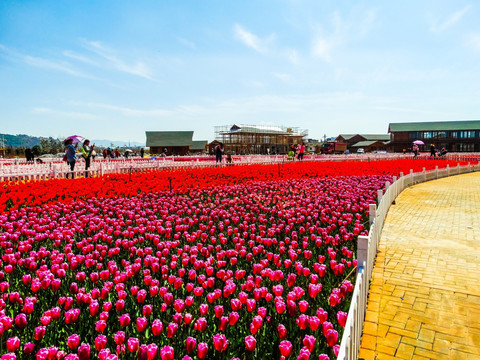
pixel 301 151
pixel 219 152
pixel 142 152
pixel 71 155
pixel 87 154
pixel 433 151
pixel 415 150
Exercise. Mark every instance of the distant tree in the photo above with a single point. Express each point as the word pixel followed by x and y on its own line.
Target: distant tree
pixel 36 150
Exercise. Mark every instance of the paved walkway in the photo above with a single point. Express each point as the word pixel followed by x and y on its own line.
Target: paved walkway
pixel 425 293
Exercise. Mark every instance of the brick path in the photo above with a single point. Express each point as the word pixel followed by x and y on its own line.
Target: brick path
pixel 425 293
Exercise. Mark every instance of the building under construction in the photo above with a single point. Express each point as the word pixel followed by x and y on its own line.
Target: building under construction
pixel 258 139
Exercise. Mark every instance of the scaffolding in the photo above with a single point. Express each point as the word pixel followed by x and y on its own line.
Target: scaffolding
pixel 258 139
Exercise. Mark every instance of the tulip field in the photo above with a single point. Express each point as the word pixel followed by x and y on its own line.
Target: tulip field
pixel 240 262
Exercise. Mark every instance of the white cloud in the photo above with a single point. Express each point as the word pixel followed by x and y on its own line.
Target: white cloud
pixel 321 48
pixel 286 78
pixel 251 40
pixel 441 24
pixel 125 111
pixel 473 41
pixel 38 62
pixel 293 57
pixel 65 114
pixel 187 43
pixel 138 69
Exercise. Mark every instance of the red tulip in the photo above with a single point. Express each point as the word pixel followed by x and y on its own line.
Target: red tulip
pixel 202 350
pixel 282 331
pixel 73 341
pixel 285 348
pixel 141 324
pixel 190 344
pixel 84 352
pixel 21 321
pixel 220 342
pixel 152 350
pixel 250 343
pixel 166 353
pixel 100 342
pixel 13 344
pixel 133 344
pixel 157 327
pixel 39 332
pixel 342 318
pixel 332 337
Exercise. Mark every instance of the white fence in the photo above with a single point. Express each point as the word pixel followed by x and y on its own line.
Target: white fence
pixel 16 169
pixel 367 251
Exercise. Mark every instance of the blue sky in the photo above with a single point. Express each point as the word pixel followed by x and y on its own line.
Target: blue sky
pixel 114 69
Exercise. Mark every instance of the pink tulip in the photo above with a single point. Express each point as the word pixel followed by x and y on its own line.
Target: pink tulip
pixel 285 348
pixel 166 353
pixel 73 341
pixel 152 350
pixel 190 344
pixel 220 342
pixel 342 318
pixel 202 350
pixel 157 327
pixel 84 352
pixel 100 342
pixel 133 344
pixel 332 337
pixel 13 344
pixel 250 343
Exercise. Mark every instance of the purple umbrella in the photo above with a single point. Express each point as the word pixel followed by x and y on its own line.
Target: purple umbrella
pixel 76 139
pixel 419 142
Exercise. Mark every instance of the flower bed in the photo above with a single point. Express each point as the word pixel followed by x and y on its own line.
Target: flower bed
pixel 237 262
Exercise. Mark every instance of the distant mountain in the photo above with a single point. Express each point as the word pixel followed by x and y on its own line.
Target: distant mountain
pixel 22 140
pixel 19 140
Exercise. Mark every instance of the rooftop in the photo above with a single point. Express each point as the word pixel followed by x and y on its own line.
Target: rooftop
pixel 435 126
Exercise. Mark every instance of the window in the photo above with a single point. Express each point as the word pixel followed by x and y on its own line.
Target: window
pixel 429 134
pixel 442 134
pixel 465 147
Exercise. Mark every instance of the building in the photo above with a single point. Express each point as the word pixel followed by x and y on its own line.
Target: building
pixel 455 136
pixel 258 139
pixel 175 142
pixel 368 142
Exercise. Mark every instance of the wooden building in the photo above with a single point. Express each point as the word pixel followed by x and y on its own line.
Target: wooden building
pixel 454 136
pixel 258 139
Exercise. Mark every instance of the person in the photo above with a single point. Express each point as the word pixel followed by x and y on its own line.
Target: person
pixel 104 153
pixel 415 150
pixel 432 151
pixel 142 152
pixel 28 155
pixel 229 159
pixel 87 151
pixel 291 153
pixel 301 151
pixel 165 152
pixel 126 154
pixel 219 152
pixel 442 152
pixel 71 154
pixel 117 153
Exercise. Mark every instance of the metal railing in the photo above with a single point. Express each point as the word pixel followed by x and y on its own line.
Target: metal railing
pixel 367 249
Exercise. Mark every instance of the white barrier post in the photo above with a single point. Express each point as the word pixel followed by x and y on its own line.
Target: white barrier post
pixel 379 195
pixel 372 213
pixel 362 252
pixel 448 170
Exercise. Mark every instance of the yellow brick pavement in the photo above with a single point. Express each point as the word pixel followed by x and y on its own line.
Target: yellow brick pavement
pixel 424 300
